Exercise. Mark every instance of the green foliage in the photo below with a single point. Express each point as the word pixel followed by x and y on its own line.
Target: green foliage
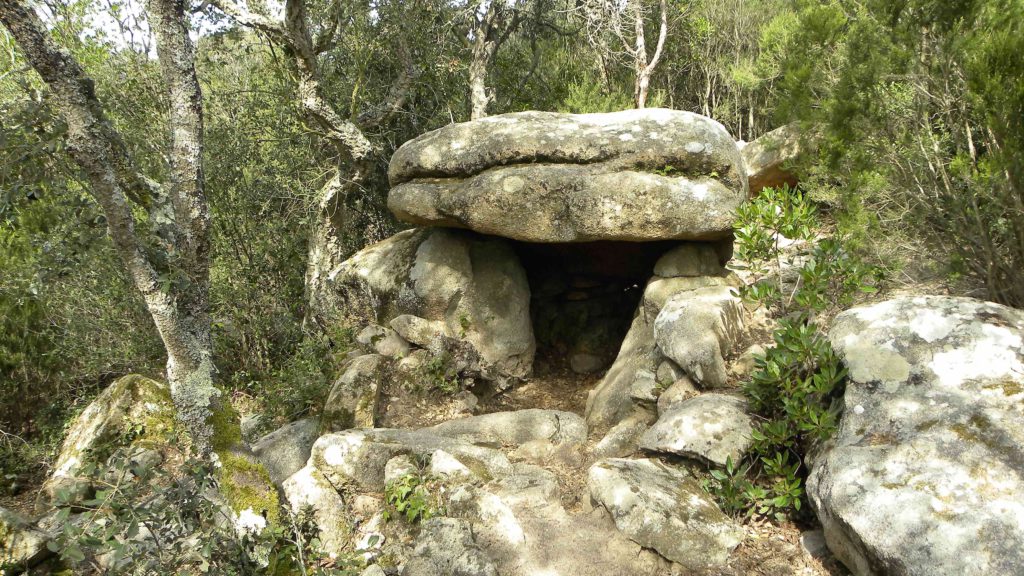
pixel 919 108
pixel 413 497
pixel 796 383
pixel 148 520
pixel 439 374
pixel 830 277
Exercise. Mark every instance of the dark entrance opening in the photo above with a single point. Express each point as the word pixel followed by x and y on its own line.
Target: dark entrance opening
pixel 583 297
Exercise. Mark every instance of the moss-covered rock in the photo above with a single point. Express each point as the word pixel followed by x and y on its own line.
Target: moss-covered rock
pixel 132 410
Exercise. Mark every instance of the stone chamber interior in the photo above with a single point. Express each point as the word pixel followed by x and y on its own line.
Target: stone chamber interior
pixel 583 297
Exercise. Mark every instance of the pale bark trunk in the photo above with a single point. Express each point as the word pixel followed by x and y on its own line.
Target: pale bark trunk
pixel 645 68
pixel 485 47
pixel 177 210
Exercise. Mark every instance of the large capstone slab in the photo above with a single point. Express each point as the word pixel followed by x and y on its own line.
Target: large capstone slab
pixel 927 471
pixel 637 175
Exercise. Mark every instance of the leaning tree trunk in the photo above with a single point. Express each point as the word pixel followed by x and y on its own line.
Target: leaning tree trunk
pixel 178 219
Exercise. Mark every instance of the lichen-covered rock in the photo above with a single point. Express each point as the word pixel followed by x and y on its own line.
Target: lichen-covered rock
pixel 659 290
pixel 712 427
pixel 22 545
pixel 636 175
pixel 680 391
pixel 310 488
pixel 383 341
pixel 767 157
pixel 360 457
pixel 354 397
pixel 131 409
pixel 664 508
pixel 925 476
pixel 623 439
pixel 285 451
pixel 697 329
pixel 468 288
pixel 445 547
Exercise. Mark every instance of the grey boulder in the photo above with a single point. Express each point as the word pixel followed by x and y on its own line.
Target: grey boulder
pixel 925 476
pixel 354 397
pixel 464 288
pixel 285 450
pixel 697 329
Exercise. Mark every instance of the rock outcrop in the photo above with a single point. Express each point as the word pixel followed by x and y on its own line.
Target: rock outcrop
pixel 767 157
pixel 637 175
pixel 22 545
pixel 927 470
pixel 453 286
pixel 710 427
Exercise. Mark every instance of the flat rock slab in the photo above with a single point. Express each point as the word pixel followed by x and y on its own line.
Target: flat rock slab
pixel 712 427
pixel 636 175
pixel 926 473
pixel 664 508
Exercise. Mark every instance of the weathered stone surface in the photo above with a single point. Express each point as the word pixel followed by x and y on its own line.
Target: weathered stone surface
pixel 925 475
pixel 636 175
pixel 624 438
pixel 713 427
pixel 22 545
pixel 766 158
pixel 697 329
pixel 446 548
pixel 131 403
pixel 610 401
pixel 664 508
pixel 309 487
pixel 285 451
pixel 533 434
pixel 468 288
pixel 680 391
pixel 383 341
pixel 659 290
pixel 360 457
pixel 353 400
pixel 692 259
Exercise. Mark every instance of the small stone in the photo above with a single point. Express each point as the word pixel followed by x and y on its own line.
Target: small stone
pixel 680 390
pixel 668 373
pixel 813 543
pixel 586 363
pixel 645 387
pixel 398 467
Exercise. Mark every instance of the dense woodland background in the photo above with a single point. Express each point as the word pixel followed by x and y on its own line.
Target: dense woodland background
pixel 916 108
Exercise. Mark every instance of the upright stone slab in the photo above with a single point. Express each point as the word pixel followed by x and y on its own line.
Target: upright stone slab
pixel 637 175
pixel 471 288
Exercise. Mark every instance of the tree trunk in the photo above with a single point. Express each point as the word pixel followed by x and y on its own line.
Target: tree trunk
pixel 644 69
pixel 486 36
pixel 175 284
